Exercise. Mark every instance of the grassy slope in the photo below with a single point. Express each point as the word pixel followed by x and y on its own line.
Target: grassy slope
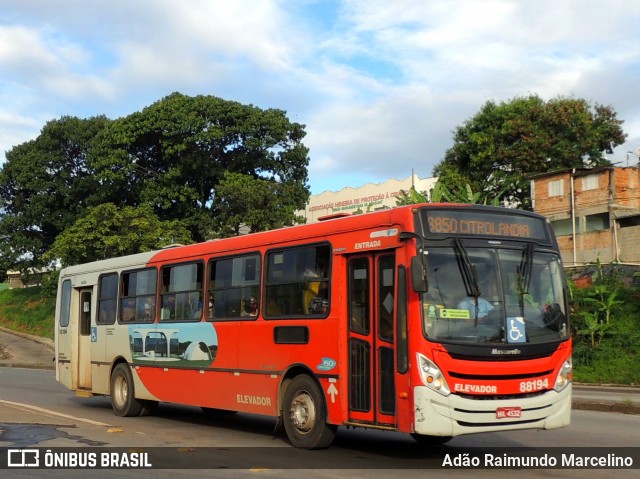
pixel 26 311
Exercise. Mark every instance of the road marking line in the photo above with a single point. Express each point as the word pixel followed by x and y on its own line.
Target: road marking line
pixel 53 413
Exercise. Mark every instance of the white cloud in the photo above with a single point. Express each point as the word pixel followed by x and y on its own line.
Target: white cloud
pixel 15 130
pixel 380 85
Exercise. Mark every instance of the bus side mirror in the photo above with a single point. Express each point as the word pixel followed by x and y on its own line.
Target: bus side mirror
pixel 419 274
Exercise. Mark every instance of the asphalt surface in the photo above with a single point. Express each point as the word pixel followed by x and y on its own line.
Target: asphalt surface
pixel 26 351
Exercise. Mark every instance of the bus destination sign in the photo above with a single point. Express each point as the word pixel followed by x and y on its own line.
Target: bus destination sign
pixel 476 223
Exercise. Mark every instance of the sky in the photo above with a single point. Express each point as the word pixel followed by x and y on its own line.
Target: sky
pixel 380 85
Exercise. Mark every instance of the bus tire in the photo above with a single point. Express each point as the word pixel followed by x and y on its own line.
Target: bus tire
pixel 304 414
pixel 123 399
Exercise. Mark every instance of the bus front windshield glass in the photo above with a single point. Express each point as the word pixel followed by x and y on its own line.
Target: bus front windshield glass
pixel 497 296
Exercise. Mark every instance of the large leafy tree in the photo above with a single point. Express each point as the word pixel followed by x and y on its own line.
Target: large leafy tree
pixel 175 153
pixel 45 185
pixel 107 231
pixel 171 156
pixel 498 149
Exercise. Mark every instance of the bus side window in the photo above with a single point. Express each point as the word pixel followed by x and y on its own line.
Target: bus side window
pixel 234 287
pixel 182 295
pixel 298 282
pixel 65 303
pixel 137 295
pixel 107 298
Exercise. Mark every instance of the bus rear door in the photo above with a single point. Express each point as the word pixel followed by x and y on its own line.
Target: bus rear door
pixel 73 337
pixel 84 338
pixel 371 307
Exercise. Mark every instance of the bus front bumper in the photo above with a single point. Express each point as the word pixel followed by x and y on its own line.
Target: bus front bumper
pixel 437 415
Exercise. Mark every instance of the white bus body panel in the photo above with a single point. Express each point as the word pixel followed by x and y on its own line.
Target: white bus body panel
pixel 92 371
pixel 437 415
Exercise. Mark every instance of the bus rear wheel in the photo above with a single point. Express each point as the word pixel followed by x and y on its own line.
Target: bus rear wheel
pixel 304 415
pixel 123 399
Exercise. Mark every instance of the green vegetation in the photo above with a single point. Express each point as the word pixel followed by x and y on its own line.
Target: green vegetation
pixel 107 231
pixel 27 310
pixel 497 150
pixel 196 166
pixel 606 329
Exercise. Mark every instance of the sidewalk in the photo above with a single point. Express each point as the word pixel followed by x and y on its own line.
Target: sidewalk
pixel 26 351
pixel 606 397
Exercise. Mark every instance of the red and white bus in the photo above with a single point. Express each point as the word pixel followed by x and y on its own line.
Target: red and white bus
pixel 435 320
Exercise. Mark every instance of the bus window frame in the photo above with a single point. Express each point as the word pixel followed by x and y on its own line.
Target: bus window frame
pixel 65 309
pixel 209 290
pixel 162 294
pixel 122 297
pixel 116 311
pixel 326 279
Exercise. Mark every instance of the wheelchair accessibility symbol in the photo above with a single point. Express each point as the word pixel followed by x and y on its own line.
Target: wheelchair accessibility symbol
pixel 516 333
pixel 94 334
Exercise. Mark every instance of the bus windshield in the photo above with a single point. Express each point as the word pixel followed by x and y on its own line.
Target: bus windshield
pixel 494 295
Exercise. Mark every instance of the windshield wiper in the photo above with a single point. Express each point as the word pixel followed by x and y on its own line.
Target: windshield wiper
pixel 525 268
pixel 469 276
pixel 524 274
pixel 468 271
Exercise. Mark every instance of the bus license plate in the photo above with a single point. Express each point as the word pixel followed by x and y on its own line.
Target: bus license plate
pixel 508 412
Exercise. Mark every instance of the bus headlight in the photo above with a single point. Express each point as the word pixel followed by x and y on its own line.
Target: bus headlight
pixel 431 375
pixel 564 376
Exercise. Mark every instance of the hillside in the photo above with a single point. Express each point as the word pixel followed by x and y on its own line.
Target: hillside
pixel 25 310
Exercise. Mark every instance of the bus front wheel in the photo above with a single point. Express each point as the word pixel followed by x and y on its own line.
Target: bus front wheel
pixel 123 398
pixel 304 415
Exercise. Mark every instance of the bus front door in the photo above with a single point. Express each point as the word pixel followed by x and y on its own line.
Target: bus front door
pixel 84 340
pixel 372 304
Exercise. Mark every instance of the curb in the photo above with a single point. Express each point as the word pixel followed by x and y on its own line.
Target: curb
pixel 621 408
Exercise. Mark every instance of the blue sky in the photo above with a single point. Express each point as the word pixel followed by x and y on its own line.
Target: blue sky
pixel 380 85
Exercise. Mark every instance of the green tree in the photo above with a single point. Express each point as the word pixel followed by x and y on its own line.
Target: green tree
pixel 174 154
pixel 107 231
pixel 503 144
pixel 45 185
pixel 255 204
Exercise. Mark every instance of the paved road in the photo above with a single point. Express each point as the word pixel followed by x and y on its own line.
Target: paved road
pixel 21 350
